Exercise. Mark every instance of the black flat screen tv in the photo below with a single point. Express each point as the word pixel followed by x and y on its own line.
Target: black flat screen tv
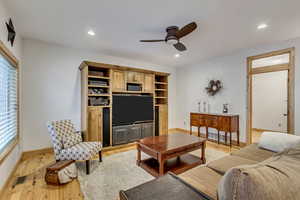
pixel 129 109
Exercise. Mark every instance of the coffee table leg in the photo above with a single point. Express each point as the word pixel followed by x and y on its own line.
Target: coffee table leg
pixel 138 161
pixel 161 166
pixel 203 152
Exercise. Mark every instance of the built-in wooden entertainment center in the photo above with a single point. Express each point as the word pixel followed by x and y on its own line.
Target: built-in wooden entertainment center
pixel 100 83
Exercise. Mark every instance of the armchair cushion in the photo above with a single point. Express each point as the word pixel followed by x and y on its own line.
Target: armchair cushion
pixel 71 139
pixel 81 151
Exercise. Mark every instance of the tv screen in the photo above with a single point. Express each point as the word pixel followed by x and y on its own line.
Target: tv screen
pixel 129 109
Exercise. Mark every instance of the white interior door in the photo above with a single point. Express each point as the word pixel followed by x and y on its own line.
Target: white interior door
pixel 270 101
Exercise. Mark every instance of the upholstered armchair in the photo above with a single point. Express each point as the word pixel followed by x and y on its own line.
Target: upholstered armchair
pixel 68 144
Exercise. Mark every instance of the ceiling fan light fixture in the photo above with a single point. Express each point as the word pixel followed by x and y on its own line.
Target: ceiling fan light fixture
pixel 172 40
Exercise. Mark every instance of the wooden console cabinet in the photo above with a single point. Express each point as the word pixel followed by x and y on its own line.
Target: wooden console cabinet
pixel 99 82
pixel 222 122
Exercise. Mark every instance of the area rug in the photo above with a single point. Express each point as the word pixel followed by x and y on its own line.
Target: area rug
pixel 120 172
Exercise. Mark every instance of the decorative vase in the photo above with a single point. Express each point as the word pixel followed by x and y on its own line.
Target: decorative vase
pixel 225 108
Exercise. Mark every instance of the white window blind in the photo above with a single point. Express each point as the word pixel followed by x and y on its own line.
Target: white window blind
pixel 8 103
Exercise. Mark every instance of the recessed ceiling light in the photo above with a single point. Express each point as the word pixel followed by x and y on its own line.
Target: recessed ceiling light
pixel 177 55
pixel 262 26
pixel 91 32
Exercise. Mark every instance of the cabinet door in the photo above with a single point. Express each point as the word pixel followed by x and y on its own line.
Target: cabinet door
pixel 94 124
pixel 120 134
pixel 147 130
pixel 139 77
pixel 118 81
pixel 135 133
pixel 163 119
pixel 149 83
pixel 135 77
pixel 224 123
pixel 130 77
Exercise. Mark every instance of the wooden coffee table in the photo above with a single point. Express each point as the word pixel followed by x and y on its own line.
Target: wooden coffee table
pixel 170 153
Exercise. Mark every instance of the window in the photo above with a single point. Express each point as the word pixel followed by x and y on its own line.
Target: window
pixel 8 105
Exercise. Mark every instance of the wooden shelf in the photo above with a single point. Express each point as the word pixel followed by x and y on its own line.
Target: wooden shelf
pixel 133 92
pixel 108 106
pixel 99 86
pixel 161 83
pixel 98 95
pixel 174 165
pixel 99 77
pixel 130 82
pixel 101 81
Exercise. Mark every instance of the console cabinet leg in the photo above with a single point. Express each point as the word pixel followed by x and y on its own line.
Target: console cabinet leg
pixel 230 139
pixel 203 153
pixel 238 138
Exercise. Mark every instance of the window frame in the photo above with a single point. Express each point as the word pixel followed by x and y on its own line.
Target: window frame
pixel 6 53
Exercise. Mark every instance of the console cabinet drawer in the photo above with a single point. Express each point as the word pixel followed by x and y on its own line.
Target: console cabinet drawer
pixel 194 117
pixel 212 122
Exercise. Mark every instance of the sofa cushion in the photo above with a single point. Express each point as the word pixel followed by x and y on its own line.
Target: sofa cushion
pixel 253 152
pixel 224 164
pixel 278 142
pixel 203 179
pixel 274 179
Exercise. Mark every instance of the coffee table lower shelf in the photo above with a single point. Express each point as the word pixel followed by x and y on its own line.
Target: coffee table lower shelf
pixel 176 165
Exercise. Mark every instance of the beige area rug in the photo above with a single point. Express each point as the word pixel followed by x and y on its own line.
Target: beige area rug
pixel 120 172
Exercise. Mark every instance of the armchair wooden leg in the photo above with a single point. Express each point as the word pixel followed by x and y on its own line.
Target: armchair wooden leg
pixel 100 156
pixel 87 166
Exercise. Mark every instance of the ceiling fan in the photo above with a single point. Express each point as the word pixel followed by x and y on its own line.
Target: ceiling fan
pixel 174 34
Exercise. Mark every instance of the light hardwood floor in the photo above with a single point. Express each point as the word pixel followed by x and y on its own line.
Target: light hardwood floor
pixel 256 136
pixel 35 188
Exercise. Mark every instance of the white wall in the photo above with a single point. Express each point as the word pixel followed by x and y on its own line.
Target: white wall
pixel 51 87
pixel 269 101
pixel 231 70
pixel 7 166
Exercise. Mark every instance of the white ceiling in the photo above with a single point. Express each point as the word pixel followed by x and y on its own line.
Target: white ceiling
pixel 224 26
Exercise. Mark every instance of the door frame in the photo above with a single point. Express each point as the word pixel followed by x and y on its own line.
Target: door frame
pixel 291 86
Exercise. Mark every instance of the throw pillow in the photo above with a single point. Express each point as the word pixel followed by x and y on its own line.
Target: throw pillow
pixel 278 142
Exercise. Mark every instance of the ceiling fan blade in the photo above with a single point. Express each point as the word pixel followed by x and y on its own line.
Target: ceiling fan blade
pixel 152 40
pixel 179 46
pixel 187 29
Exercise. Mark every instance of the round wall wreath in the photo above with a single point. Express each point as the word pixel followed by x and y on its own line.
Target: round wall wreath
pixel 213 87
